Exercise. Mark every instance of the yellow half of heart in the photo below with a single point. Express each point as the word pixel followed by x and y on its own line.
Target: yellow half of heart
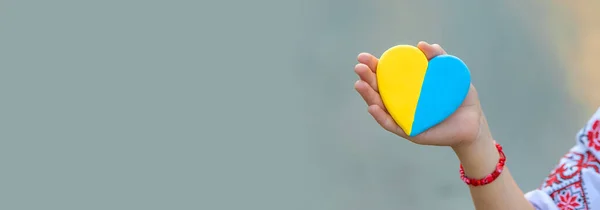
pixel 400 75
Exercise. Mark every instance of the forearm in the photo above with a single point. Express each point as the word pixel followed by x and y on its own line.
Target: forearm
pixel 480 159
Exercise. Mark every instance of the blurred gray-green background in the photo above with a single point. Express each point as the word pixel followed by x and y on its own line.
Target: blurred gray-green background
pixel 214 105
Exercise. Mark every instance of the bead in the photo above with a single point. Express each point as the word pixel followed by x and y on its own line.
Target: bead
pixel 488 178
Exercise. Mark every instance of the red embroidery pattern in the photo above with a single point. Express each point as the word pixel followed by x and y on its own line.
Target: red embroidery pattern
pixel 594 136
pixel 564 184
pixel 567 176
pixel 571 168
pixel 570 197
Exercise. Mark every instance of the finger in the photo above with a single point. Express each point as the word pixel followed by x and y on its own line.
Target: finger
pixel 369 60
pixel 430 51
pixel 366 75
pixel 438 47
pixel 368 94
pixel 386 121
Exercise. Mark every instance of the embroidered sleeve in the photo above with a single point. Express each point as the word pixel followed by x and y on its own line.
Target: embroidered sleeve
pixel 575 182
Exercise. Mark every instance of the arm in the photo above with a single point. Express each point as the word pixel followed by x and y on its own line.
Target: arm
pixel 466 131
pixel 479 159
pixel 573 184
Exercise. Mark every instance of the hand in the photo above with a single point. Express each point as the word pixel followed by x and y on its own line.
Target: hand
pixel 466 131
pixel 465 126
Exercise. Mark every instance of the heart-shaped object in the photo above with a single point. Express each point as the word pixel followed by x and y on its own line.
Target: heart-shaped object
pixel 417 93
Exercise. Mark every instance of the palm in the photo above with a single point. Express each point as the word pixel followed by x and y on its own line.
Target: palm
pixel 462 126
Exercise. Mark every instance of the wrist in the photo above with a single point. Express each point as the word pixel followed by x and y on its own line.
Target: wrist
pixel 478 157
pixel 476 149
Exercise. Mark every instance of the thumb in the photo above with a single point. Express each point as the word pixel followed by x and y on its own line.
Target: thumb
pixel 431 50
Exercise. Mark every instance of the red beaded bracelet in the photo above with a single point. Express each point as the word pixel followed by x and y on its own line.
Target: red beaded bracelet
pixel 490 177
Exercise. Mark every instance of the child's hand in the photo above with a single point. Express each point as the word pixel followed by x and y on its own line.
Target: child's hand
pixel 466 131
pixel 463 127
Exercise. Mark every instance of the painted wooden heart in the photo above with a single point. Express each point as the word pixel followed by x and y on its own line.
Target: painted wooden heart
pixel 417 93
